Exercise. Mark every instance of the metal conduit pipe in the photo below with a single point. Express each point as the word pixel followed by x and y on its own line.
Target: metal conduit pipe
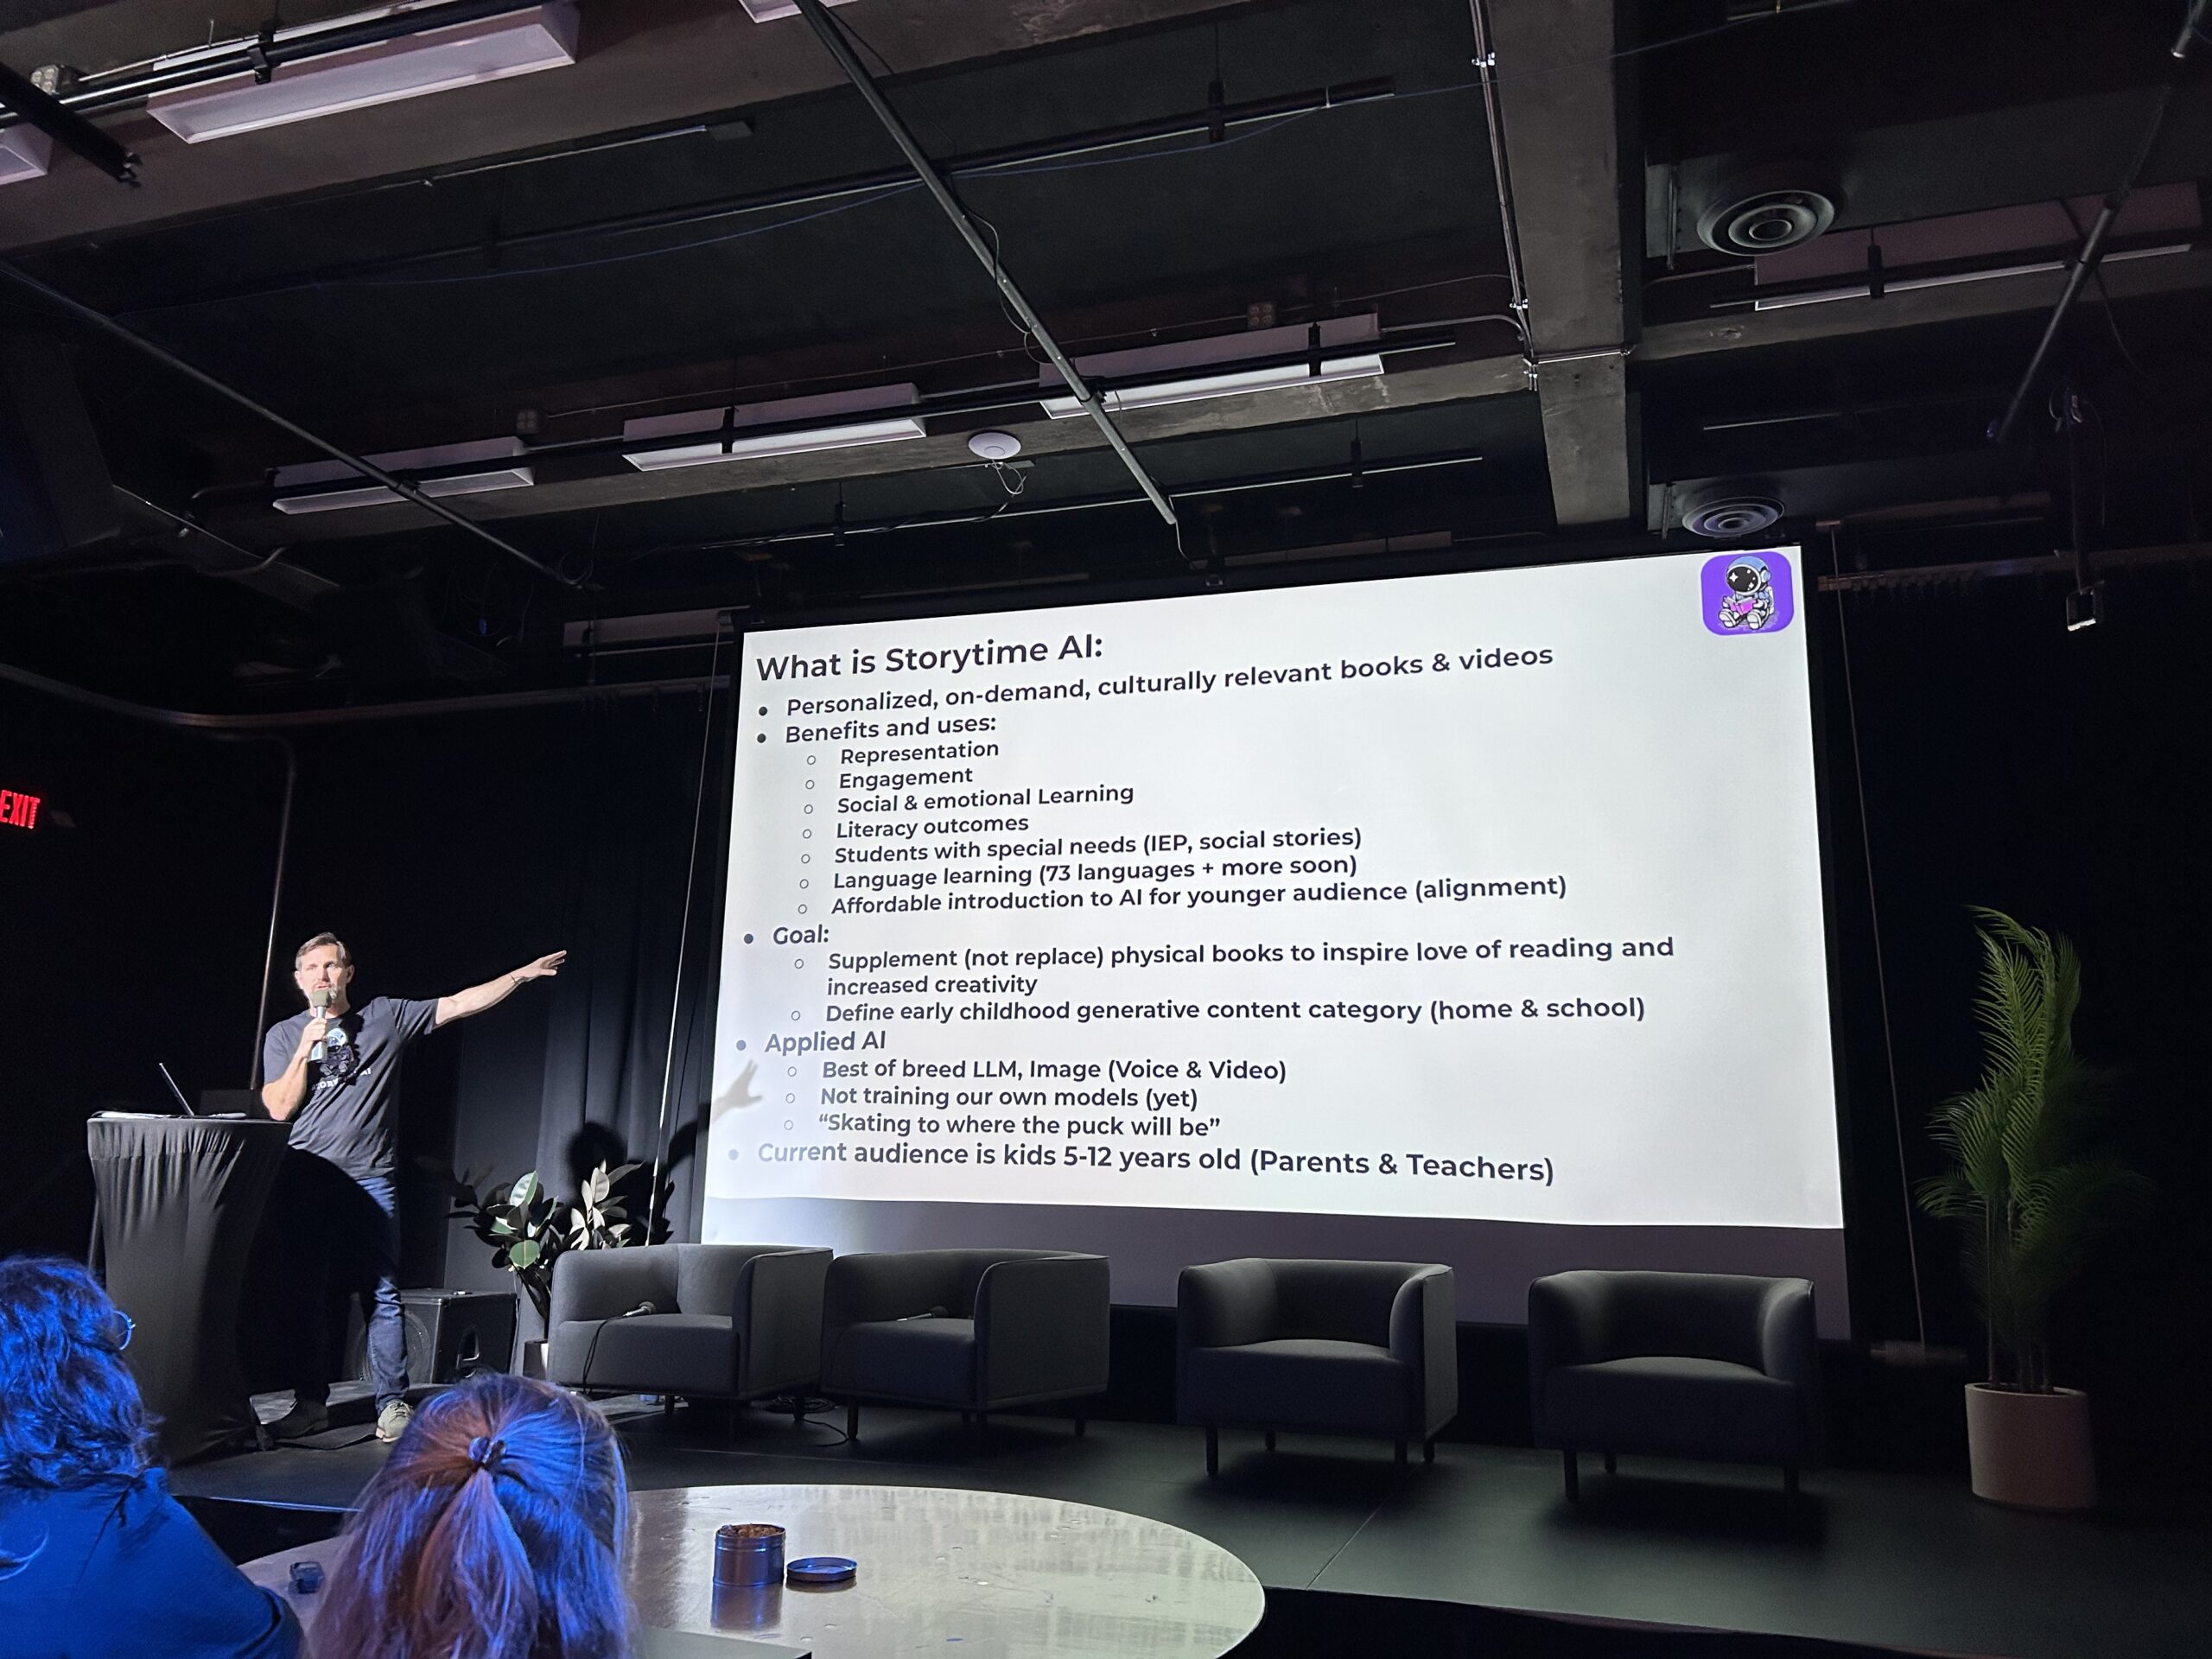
pixel 1083 504
pixel 128 87
pixel 1509 227
pixel 978 164
pixel 2093 245
pixel 170 361
pixel 832 37
pixel 360 714
pixel 988 400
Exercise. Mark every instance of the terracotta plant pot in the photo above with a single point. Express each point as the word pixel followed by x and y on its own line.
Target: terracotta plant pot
pixel 2031 1451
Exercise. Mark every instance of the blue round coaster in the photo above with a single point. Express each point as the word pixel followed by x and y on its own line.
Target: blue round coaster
pixel 821 1569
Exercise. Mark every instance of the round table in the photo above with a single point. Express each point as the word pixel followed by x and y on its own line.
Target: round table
pixel 997 1574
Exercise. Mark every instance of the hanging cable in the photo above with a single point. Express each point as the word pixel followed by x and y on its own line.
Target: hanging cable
pixel 683 931
pixel 109 325
pixel 1874 922
pixel 833 40
pixel 2093 245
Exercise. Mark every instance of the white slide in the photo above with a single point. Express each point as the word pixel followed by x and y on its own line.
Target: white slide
pixel 1492 896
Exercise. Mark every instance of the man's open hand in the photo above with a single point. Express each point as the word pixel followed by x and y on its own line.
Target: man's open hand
pixel 544 968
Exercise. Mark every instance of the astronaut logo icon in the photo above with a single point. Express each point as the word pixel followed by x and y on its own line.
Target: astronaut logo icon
pixel 1750 603
pixel 1747 593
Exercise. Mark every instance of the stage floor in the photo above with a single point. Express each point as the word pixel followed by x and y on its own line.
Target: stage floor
pixel 1876 1560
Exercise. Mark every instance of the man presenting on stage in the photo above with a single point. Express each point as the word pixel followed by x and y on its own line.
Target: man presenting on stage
pixel 333 1073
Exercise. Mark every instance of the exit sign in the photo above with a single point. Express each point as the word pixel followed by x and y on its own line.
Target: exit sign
pixel 17 809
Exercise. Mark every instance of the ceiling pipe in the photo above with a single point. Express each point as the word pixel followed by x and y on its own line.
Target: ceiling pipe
pixel 109 326
pixel 2044 565
pixel 2093 245
pixel 1082 503
pixel 31 103
pixel 130 86
pixel 987 401
pixel 833 40
pixel 264 725
pixel 1509 227
pixel 979 163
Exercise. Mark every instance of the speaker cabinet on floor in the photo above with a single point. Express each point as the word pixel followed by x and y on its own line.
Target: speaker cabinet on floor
pixel 451 1334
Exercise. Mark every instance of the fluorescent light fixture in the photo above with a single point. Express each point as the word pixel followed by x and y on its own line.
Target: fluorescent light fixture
pixel 1153 395
pixel 295 494
pixel 515 42
pixel 1188 371
pixel 1954 279
pixel 722 433
pixel 24 153
pixel 766 11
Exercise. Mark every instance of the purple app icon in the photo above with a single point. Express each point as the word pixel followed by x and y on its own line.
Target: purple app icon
pixel 1747 593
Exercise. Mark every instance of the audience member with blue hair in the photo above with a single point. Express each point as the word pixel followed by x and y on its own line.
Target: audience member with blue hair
pixel 495 1530
pixel 96 1558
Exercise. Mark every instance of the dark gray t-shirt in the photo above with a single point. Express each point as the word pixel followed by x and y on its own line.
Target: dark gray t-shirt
pixel 346 1119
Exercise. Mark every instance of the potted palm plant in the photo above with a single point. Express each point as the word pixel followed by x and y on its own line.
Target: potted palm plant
pixel 2031 1193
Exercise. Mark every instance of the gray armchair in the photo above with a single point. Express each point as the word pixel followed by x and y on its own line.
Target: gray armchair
pixel 974 1330
pixel 727 1321
pixel 1682 1364
pixel 1330 1347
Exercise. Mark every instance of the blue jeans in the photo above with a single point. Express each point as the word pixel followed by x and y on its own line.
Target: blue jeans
pixel 341 1241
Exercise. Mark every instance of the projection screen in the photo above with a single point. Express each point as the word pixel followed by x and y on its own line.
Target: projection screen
pixel 1474 918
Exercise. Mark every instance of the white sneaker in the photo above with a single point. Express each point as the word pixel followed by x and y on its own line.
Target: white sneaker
pixel 392 1420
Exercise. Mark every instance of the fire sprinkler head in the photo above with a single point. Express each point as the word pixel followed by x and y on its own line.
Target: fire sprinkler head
pixel 995 446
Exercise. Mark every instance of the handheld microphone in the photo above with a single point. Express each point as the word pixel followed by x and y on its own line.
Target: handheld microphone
pixel 319 1000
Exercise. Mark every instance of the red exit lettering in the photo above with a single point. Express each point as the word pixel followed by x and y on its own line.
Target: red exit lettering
pixel 17 809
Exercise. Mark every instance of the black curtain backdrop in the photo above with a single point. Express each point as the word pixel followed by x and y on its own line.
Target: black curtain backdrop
pixel 443 852
pixel 133 920
pixel 2006 763
pixel 2059 778
pixel 446 852
pixel 607 1066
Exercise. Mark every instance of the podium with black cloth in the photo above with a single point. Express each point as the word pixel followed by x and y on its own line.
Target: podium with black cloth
pixel 180 1200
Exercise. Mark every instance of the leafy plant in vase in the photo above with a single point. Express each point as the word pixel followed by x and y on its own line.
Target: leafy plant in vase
pixel 2031 1193
pixel 529 1229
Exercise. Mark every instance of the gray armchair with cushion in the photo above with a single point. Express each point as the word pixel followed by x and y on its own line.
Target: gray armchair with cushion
pixel 1330 1347
pixel 729 1321
pixel 1682 1364
pixel 974 1330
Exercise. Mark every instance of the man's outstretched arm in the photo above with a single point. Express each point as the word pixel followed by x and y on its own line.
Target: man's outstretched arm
pixel 477 998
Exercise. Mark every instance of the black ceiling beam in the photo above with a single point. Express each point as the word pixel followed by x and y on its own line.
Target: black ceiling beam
pixel 978 163
pixel 832 39
pixel 66 127
pixel 1548 69
pixel 170 360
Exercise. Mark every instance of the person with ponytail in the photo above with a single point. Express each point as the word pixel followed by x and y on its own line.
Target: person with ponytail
pixel 96 1558
pixel 495 1530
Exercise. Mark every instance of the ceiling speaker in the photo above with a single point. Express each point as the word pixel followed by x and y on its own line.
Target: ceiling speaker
pixel 1766 211
pixel 1732 510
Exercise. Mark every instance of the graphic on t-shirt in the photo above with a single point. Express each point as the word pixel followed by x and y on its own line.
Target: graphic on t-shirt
pixel 341 1060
